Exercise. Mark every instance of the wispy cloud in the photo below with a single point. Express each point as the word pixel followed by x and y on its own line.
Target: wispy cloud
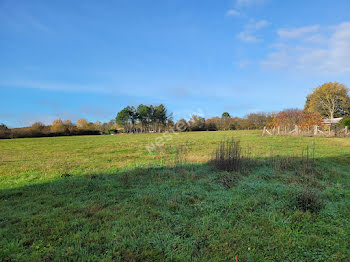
pixel 249 35
pixel 307 52
pixel 257 25
pixel 297 32
pixel 233 12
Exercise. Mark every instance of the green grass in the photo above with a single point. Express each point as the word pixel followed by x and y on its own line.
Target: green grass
pixel 105 198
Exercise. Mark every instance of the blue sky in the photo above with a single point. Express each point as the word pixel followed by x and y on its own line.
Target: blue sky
pixel 73 59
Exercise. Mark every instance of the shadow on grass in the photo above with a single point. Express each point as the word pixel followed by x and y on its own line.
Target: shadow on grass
pixel 187 212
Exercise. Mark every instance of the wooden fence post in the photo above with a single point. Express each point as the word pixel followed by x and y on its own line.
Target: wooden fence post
pixel 346 130
pixel 315 130
pixel 278 130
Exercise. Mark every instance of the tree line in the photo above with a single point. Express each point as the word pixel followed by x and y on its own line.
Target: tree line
pixel 150 118
pixel 330 100
pixel 57 128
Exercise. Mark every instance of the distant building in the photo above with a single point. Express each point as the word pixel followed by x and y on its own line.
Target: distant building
pixel 332 121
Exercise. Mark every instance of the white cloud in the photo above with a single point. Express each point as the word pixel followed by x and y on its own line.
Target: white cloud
pixel 316 38
pixel 297 32
pixel 320 53
pixel 257 25
pixel 249 35
pixel 233 12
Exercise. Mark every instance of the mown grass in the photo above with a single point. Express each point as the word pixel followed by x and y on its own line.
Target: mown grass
pixel 105 198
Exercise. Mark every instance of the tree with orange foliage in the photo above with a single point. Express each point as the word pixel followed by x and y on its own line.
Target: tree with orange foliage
pixel 301 118
pixel 288 118
pixel 309 119
pixel 82 123
pixel 57 126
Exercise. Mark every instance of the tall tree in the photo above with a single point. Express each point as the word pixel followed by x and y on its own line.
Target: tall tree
pixel 329 100
pixel 160 116
pixel 123 118
pixel 144 115
pixel 225 115
pixel 127 118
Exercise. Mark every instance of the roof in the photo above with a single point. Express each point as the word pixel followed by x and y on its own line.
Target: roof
pixel 332 120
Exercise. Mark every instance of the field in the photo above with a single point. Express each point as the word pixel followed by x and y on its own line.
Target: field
pixel 106 198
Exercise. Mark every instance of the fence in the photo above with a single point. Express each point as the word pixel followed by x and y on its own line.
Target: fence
pixel 308 131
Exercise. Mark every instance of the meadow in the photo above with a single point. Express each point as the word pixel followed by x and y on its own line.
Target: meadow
pixel 106 198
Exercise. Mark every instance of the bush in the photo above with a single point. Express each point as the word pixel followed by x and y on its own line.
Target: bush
pixel 346 122
pixel 112 131
pixel 309 200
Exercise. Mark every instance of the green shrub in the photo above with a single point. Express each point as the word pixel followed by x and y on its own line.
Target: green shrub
pixel 346 122
pixel 112 131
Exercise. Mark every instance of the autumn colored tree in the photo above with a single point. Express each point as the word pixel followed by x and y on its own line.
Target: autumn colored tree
pixel 310 119
pixel 38 126
pixel 98 125
pixel 82 123
pixel 57 126
pixel 330 100
pixel 288 118
pixel 301 118
pixel 257 120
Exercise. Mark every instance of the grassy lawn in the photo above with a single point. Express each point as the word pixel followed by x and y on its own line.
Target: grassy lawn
pixel 106 198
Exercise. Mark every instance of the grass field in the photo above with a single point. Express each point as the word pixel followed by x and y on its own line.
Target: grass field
pixel 106 198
